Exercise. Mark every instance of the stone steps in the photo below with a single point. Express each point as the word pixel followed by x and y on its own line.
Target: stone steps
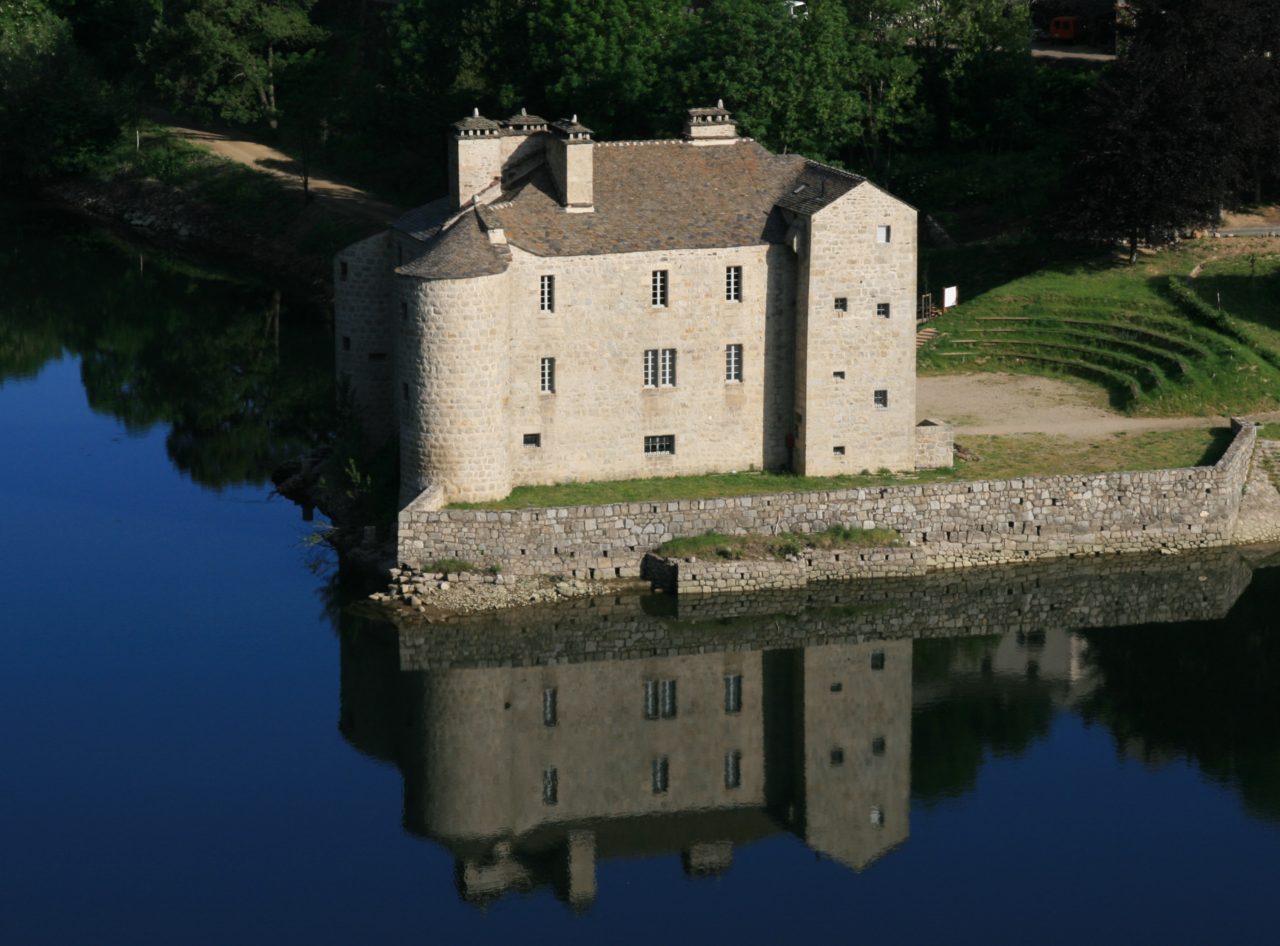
pixel 924 336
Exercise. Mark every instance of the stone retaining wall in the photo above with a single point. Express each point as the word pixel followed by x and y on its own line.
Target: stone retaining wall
pixel 717 576
pixel 954 524
pixel 1138 589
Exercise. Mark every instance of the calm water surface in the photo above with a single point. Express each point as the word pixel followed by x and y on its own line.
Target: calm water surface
pixel 200 745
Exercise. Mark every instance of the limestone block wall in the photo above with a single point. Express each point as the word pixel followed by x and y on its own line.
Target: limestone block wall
pixel 955 524
pixel 364 331
pixel 594 425
pixel 935 444
pixel 453 372
pixel 474 163
pixel 841 429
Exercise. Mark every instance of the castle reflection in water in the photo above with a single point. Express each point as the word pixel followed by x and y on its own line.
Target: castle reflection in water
pixel 534 743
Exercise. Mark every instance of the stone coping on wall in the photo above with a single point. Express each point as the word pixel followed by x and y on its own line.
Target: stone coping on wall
pixel 955 524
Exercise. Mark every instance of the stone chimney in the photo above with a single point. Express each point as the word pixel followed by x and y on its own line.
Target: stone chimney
pixel 475 157
pixel 572 164
pixel 710 126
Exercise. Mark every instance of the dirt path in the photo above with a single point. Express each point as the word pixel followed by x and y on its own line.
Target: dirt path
pixel 235 145
pixel 1018 404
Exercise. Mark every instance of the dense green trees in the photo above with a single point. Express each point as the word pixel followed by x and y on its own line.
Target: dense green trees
pixel 55 114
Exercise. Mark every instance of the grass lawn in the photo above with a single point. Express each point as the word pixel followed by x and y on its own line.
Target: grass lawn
pixel 1002 458
pixel 1115 325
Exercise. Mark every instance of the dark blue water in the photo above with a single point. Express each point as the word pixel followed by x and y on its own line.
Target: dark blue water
pixel 173 764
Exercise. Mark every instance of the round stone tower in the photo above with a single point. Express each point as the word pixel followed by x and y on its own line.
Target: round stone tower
pixel 453 382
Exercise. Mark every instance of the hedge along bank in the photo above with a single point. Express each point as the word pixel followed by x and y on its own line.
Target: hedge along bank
pixel 953 524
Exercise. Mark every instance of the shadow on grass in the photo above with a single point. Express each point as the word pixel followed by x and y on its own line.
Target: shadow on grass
pixel 1222 437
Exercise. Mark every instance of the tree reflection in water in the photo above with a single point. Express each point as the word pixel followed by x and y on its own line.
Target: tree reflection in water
pixel 242 377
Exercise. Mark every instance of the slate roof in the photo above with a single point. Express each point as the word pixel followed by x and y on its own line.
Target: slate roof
pixel 653 195
pixel 461 251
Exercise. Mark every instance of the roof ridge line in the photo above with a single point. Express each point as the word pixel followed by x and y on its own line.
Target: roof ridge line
pixel 840 171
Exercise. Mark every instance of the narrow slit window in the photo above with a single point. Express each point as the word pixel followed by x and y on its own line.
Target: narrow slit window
pixel 733 363
pixel 404 391
pixel 533 440
pixel 346 343
pixel 668 368
pixel 877 660
pixel 548 371
pixel 877 816
pixel 882 398
pixel 661 443
pixel 651 699
pixel 882 309
pixel 842 304
pixel 342 270
pixel 733 693
pixel 668 699
pixel 549 706
pixel 732 769
pixel 547 294
pixel 733 284
pixel 404 310
pixel 661 775
pixel 651 368
pixel 659 288
pixel 550 786
pixel 883 234
pixel 877 745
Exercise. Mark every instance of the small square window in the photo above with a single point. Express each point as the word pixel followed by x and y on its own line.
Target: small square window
pixel 882 309
pixel 346 343
pixel 837 687
pixel 877 660
pixel 838 375
pixel 533 440
pixel 663 443
pixel 842 304
pixel 837 757
pixel 342 270
pixel 882 398
pixel 838 451
pixel 877 745
pixel 883 234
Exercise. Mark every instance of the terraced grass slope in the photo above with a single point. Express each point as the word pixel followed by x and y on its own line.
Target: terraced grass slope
pixel 1119 326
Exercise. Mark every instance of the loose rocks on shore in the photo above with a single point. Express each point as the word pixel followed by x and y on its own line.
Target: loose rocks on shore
pixel 419 594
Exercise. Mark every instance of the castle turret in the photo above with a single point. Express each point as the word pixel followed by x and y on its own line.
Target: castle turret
pixel 710 126
pixel 475 157
pixel 572 164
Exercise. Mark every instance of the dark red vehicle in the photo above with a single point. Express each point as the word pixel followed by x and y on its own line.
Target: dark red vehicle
pixel 1066 29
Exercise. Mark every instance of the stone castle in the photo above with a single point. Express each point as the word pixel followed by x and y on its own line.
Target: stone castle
pixel 578 310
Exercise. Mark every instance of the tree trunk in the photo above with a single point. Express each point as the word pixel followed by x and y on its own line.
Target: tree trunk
pixel 1133 246
pixel 271 89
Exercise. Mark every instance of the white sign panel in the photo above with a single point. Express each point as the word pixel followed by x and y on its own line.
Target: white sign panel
pixel 949 297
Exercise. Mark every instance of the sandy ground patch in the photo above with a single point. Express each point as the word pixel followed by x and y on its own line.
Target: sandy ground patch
pixel 1023 404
